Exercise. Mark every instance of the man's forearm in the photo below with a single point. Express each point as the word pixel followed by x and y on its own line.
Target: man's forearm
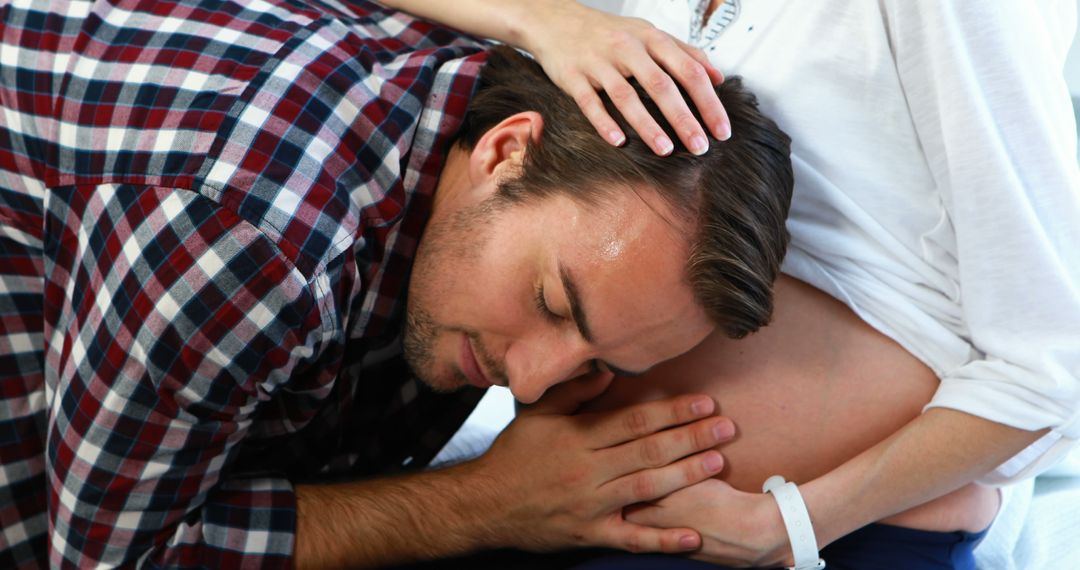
pixel 518 494
pixel 936 453
pixel 392 521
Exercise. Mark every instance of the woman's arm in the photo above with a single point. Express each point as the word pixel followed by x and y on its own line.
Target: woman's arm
pixel 938 452
pixel 988 102
pixel 585 50
pixel 815 390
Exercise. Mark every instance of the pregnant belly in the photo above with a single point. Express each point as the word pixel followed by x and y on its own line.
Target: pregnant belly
pixel 810 391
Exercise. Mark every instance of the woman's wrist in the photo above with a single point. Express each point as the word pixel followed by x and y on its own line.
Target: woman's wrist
pixel 768 525
pixel 508 21
pixel 528 25
pixel 800 529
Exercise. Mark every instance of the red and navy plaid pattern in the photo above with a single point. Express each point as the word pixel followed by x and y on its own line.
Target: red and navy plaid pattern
pixel 208 211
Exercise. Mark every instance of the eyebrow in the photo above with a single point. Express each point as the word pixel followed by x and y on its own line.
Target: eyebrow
pixel 578 313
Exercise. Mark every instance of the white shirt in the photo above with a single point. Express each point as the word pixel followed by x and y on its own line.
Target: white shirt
pixel 936 186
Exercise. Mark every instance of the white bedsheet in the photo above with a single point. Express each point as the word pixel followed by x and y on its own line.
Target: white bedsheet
pixel 492 414
pixel 1039 524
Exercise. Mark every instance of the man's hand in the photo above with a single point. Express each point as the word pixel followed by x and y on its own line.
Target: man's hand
pixel 551 480
pixel 559 480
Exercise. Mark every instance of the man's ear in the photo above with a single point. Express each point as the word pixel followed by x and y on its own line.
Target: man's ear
pixel 499 152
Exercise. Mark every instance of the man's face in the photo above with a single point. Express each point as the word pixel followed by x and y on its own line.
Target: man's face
pixel 532 294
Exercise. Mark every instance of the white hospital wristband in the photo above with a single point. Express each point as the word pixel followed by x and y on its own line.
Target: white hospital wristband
pixel 797 521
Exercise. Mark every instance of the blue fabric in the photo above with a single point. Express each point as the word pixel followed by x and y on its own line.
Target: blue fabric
pixel 875 547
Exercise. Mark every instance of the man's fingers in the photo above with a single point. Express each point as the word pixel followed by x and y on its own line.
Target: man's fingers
pixel 635 538
pixel 653 484
pixel 667 446
pixel 608 429
pixel 648 514
pixel 692 70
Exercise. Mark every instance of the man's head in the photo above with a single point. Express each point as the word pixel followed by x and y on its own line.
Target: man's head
pixel 550 253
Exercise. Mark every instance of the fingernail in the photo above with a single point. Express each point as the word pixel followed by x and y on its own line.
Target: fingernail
pixel 713 463
pixel 698 145
pixel 664 145
pixel 688 541
pixel 616 138
pixel 723 430
pixel 702 406
pixel 723 131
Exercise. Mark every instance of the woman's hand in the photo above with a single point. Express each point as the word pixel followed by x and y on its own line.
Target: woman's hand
pixel 737 529
pixel 585 50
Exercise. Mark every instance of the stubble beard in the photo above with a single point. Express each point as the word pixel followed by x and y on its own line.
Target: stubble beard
pixel 418 345
pixel 446 243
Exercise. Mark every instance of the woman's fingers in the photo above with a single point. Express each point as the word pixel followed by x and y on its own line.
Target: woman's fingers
pixel 584 50
pixel 660 66
pixel 664 63
pixel 715 76
pixel 588 100
pixel 626 100
pixel 691 69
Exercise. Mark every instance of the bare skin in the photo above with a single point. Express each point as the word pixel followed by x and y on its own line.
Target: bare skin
pixel 517 494
pixel 478 287
pixel 931 456
pixel 812 390
pixel 585 50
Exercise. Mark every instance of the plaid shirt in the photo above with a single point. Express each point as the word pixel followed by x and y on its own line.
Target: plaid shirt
pixel 208 211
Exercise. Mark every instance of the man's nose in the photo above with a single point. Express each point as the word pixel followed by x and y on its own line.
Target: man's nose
pixel 537 364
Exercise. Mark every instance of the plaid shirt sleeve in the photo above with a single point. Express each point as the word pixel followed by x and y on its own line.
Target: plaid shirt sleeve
pixel 205 202
pixel 175 319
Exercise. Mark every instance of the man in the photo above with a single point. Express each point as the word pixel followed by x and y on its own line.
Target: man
pixel 211 214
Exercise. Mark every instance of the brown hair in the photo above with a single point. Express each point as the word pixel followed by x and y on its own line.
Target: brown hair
pixel 737 194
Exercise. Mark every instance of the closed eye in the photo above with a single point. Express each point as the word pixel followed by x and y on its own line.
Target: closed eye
pixel 542 307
